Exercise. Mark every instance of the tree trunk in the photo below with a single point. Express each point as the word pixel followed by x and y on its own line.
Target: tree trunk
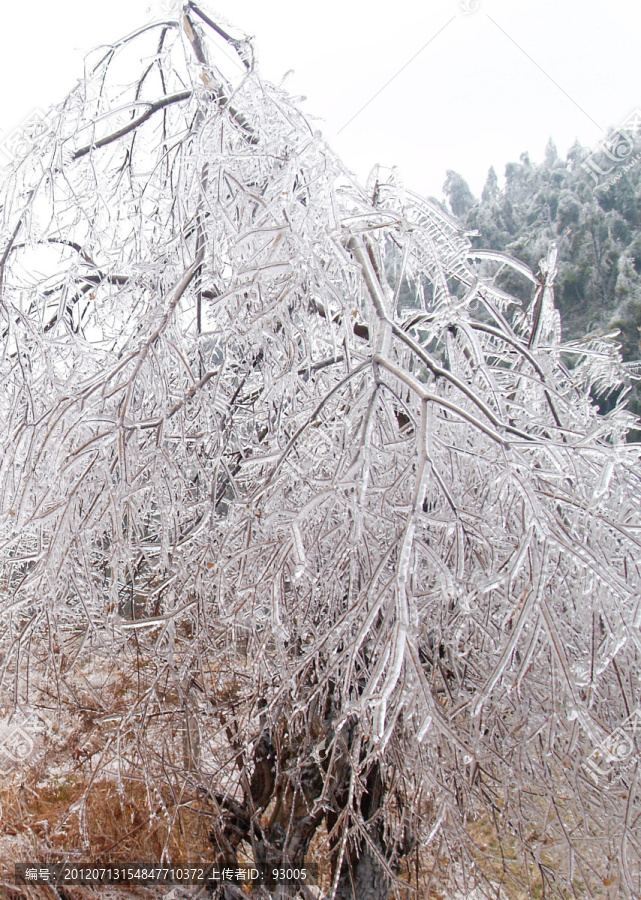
pixel 362 876
pixel 363 879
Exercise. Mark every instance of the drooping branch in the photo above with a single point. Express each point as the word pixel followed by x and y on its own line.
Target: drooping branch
pixel 153 107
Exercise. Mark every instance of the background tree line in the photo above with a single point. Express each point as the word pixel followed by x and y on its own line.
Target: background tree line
pixel 597 230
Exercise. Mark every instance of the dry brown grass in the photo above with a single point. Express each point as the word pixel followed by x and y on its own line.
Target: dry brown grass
pixel 75 805
pixel 72 803
pixel 41 824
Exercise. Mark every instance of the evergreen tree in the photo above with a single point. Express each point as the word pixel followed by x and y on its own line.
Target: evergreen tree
pixel 459 195
pixel 597 231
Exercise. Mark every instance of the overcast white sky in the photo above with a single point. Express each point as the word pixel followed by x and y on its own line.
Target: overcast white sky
pixel 486 85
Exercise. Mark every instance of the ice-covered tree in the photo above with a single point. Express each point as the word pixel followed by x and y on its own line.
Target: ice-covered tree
pixel 278 444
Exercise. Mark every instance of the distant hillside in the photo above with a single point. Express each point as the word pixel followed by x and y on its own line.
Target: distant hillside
pixel 597 231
